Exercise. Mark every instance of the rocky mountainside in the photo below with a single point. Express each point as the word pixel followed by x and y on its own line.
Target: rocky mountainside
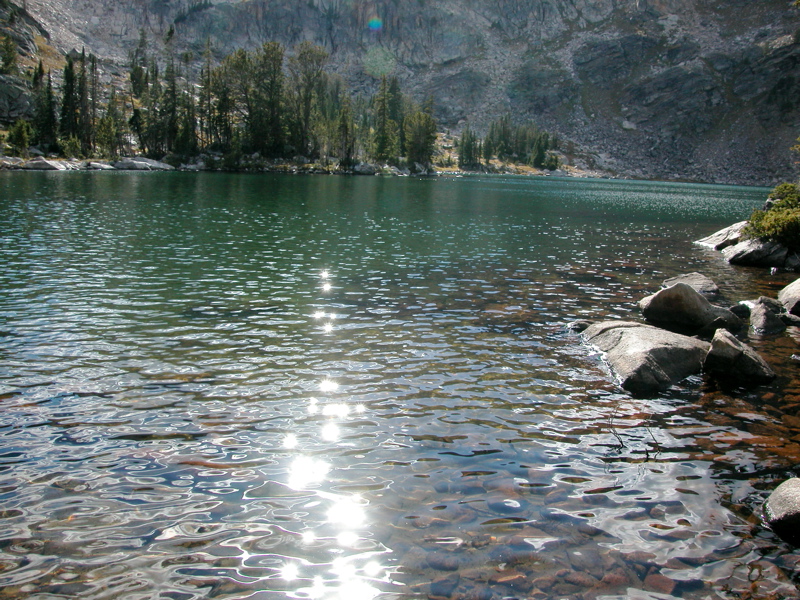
pixel 705 90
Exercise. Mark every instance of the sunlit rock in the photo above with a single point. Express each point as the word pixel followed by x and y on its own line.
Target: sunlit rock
pixel 782 511
pixel 646 359
pixel 724 237
pixel 699 282
pixel 41 164
pixel 141 164
pixel 790 297
pixel 734 361
pixel 681 308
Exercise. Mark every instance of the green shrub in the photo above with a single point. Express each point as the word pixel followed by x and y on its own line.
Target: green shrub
pixel 781 222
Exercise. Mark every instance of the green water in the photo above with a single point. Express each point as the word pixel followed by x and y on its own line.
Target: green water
pixel 235 386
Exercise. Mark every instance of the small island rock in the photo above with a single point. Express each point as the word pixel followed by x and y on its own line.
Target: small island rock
pixel 724 237
pixel 735 361
pixel 782 511
pixel 681 308
pixel 646 359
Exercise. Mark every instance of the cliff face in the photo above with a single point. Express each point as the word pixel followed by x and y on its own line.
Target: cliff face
pixel 694 89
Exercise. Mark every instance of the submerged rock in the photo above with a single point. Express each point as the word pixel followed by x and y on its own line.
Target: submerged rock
pixel 724 237
pixel 735 361
pixel 699 282
pixel 646 359
pixel 782 511
pixel 681 308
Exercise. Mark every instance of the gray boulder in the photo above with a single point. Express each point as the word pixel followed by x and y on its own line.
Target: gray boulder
pixel 99 166
pixel 724 237
pixel 735 361
pixel 701 284
pixel 681 308
pixel 139 163
pixel 646 359
pixel 757 253
pixel 790 297
pixel 41 164
pixel 782 511
pixel 764 318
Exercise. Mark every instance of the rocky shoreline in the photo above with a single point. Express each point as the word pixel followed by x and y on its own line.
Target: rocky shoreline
pixel 256 164
pixel 684 334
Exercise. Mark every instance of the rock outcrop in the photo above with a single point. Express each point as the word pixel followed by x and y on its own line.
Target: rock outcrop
pixel 733 361
pixel 681 308
pixel 723 238
pixel 646 359
pixel 782 511
pixel 760 253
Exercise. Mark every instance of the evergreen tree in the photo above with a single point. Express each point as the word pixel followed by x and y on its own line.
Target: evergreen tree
pixel 8 56
pixel 85 131
pixel 45 120
pixel 19 136
pixel 420 129
pixel 37 79
pixel 386 139
pixel 346 138
pixel 469 155
pixel 306 69
pixel 70 102
pixel 111 128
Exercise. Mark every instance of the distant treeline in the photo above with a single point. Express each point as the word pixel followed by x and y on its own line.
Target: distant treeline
pixel 510 143
pixel 280 105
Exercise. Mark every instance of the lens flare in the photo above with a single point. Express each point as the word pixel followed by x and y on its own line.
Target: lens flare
pixel 375 24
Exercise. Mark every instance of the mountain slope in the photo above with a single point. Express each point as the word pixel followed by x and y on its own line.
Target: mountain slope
pixel 689 89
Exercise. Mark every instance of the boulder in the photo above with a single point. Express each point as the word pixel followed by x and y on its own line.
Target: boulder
pixel 99 166
pixel 765 318
pixel 724 237
pixel 139 163
pixel 366 169
pixel 681 308
pixel 701 284
pixel 757 253
pixel 646 359
pixel 41 164
pixel 790 297
pixel 782 511
pixel 735 361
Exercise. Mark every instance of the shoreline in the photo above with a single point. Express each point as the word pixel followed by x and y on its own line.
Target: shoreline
pixel 259 165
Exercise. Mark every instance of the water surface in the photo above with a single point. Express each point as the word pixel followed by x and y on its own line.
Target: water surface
pixel 228 386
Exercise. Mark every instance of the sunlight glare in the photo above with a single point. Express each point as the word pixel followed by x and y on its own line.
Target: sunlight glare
pixel 339 409
pixel 347 539
pixel 347 511
pixel 328 385
pixel 290 441
pixel 305 470
pixel 309 537
pixel 290 572
pixel 330 432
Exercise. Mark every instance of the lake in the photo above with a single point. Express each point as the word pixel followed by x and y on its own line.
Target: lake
pixel 322 387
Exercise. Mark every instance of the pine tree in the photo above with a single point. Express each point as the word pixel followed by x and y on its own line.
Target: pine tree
pixel 346 138
pixel 386 139
pixel 306 70
pixel 70 102
pixel 8 56
pixel 45 120
pixel 420 130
